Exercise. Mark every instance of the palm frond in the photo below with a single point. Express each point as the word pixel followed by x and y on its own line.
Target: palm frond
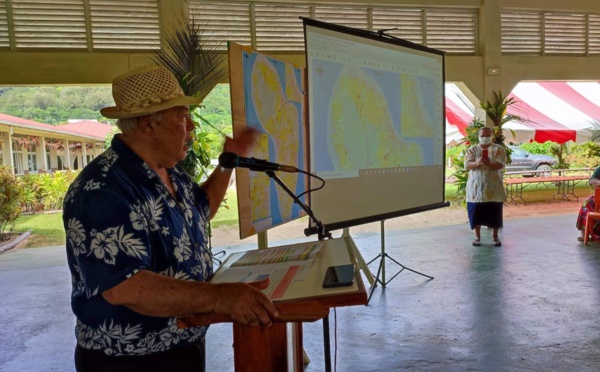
pixel 595 136
pixel 197 63
pixel 497 111
pixel 560 151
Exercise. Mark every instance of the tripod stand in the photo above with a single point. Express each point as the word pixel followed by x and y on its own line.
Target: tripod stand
pixel 381 270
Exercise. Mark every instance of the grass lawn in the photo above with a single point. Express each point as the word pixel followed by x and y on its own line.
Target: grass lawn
pixel 228 213
pixel 48 228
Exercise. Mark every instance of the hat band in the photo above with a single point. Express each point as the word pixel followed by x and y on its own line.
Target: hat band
pixel 134 106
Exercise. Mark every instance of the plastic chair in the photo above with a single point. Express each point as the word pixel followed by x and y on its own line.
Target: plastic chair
pixel 591 217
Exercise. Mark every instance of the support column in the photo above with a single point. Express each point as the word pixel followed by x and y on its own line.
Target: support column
pixel 67 164
pixel 83 155
pixel 42 162
pixel 7 158
pixel 53 158
pixel 10 152
pixel 495 73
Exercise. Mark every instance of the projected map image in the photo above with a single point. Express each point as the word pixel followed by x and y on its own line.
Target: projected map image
pixel 273 93
pixel 376 124
pixel 417 118
pixel 368 124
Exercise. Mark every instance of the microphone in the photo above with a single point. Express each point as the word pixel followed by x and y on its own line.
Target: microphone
pixel 230 160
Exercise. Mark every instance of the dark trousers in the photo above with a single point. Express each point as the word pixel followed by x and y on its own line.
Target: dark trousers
pixel 186 359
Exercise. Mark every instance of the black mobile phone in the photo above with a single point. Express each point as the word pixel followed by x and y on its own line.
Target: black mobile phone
pixel 339 276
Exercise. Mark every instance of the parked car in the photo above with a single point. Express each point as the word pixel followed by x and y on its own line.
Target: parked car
pixel 525 161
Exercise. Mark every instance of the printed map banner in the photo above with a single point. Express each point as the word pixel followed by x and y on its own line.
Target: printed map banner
pixel 269 95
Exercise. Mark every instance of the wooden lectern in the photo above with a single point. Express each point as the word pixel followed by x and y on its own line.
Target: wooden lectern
pixel 279 347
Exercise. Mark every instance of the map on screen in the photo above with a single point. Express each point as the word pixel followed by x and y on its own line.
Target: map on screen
pixel 376 124
pixel 364 110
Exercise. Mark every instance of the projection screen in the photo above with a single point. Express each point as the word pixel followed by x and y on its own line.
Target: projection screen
pixel 376 125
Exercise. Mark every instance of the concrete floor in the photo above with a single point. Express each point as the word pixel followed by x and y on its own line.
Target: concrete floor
pixel 531 305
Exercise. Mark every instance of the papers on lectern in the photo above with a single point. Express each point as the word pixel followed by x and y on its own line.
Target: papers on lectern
pixel 282 265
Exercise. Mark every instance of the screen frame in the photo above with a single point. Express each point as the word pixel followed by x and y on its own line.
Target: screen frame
pixel 379 36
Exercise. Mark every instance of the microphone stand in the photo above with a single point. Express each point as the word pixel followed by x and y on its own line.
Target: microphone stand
pixel 323 234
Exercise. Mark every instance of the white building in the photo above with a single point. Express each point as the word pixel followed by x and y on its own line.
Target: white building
pixel 31 147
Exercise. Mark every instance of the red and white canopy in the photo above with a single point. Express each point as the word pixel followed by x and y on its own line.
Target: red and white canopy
pixel 557 111
pixel 459 113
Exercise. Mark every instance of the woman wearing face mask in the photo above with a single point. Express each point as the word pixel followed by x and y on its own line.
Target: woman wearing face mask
pixel 485 190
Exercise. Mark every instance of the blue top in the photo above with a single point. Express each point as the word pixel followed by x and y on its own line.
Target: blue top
pixel 120 218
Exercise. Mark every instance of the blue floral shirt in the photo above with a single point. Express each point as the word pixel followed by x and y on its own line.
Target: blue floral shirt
pixel 120 218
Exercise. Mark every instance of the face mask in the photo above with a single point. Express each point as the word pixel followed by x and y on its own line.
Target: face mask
pixel 485 140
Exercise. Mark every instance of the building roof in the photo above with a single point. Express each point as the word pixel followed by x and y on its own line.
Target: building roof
pixel 87 129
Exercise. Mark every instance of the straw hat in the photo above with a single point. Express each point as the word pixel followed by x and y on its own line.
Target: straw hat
pixel 145 91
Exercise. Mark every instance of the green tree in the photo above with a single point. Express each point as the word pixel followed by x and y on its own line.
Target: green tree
pixel 585 155
pixel 12 195
pixel 55 105
pixel 560 151
pixel 595 136
pixel 109 137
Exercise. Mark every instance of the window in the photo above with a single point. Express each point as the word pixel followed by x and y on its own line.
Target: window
pixel 279 27
pixel 4 39
pixel 550 33
pixel 450 30
pixel 129 25
pixel 80 24
pixel 32 159
pixel 32 162
pixel 224 21
pixel 267 26
pixel 17 157
pixel 522 33
pixel 18 160
pixel 61 162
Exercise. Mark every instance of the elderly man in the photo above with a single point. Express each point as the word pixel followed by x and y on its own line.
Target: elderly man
pixel 485 189
pixel 136 238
